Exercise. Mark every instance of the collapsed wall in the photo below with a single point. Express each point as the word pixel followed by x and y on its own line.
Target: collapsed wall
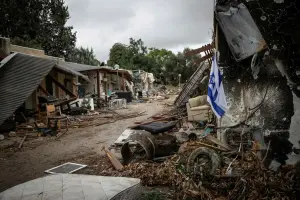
pixel 258 45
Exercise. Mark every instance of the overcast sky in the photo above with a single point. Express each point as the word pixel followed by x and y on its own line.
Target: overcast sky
pixel 170 24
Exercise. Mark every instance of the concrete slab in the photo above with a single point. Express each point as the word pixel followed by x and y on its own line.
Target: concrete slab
pixel 73 186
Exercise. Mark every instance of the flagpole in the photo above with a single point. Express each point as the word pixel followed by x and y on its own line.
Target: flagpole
pixel 217 56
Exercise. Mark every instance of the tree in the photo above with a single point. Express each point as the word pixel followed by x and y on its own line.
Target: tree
pixel 38 23
pixel 83 56
pixel 163 63
pixel 119 54
pixel 137 47
pixel 130 56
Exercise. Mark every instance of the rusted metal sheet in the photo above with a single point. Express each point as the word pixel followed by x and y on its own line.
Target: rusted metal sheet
pixel 241 32
pixel 144 147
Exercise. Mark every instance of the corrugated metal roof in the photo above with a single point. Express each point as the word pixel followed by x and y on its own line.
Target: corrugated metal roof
pixel 65 67
pixel 20 75
pixel 81 67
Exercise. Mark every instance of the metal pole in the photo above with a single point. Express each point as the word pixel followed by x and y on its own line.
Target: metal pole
pixel 118 79
pixel 98 83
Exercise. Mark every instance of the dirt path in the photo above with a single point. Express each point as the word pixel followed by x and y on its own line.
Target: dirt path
pixel 44 153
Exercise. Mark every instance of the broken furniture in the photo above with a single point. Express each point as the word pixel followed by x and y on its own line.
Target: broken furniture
pixel 198 109
pixel 72 107
pixel 158 127
pixel 44 131
pixel 117 103
pixel 57 121
pixel 46 108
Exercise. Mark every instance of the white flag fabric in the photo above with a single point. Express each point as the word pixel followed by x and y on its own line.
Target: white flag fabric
pixel 216 96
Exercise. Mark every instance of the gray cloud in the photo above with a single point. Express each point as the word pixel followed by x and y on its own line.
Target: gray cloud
pixel 171 24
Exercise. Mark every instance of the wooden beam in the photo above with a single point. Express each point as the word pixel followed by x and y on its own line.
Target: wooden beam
pixel 203 58
pixel 217 37
pixel 23 140
pixel 199 50
pixel 43 90
pixel 56 82
pixel 211 146
pixel 218 142
pixel 114 161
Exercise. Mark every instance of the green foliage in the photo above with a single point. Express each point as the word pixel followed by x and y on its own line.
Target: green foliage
pixel 83 56
pixel 119 54
pixel 26 43
pixel 154 195
pixel 38 24
pixel 163 63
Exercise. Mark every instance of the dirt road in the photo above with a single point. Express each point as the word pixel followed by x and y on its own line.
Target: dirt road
pixel 43 153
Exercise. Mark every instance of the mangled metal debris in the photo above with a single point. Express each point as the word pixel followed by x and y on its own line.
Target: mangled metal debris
pixel 143 148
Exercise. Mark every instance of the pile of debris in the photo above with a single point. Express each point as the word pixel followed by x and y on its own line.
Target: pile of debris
pixel 187 157
pixel 235 176
pixel 59 125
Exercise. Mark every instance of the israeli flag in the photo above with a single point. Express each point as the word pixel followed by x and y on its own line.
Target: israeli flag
pixel 216 96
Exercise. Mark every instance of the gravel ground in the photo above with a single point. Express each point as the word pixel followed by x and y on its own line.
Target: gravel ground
pixel 81 144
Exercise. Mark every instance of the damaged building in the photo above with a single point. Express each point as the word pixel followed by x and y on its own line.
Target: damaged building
pixel 28 76
pixel 257 45
pixel 104 80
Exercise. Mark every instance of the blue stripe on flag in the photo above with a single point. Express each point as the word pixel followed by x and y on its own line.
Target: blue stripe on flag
pixel 220 78
pixel 219 110
pixel 216 95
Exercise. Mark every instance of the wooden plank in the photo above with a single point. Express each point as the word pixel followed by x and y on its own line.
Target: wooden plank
pixel 157 120
pixel 56 82
pixel 218 142
pixel 23 116
pixel 43 90
pixel 203 58
pixel 210 146
pixel 24 138
pixel 114 161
